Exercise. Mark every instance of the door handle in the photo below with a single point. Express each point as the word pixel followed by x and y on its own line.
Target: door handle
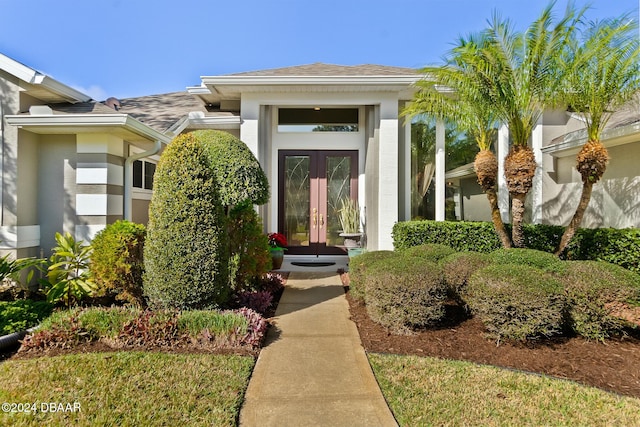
pixel 321 221
pixel 315 217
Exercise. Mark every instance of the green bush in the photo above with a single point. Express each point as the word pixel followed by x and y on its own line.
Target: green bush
pixel 17 316
pixel 237 172
pixel 594 289
pixel 249 247
pixel 544 261
pixel 620 247
pixel 430 251
pixel 517 302
pixel 405 293
pixel 117 263
pixel 458 268
pixel 185 254
pixel 358 267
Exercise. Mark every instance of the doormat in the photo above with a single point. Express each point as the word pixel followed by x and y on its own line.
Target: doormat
pixel 312 263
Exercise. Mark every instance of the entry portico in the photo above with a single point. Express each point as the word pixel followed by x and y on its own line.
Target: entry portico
pixel 319 108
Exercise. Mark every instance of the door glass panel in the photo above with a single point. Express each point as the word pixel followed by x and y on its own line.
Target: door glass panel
pixel 338 169
pixel 296 199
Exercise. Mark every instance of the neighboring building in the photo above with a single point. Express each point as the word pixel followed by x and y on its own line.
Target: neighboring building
pixel 321 133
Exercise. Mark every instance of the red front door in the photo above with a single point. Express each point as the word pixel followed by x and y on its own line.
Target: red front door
pixel 312 185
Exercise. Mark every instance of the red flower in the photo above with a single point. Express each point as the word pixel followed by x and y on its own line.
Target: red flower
pixel 277 240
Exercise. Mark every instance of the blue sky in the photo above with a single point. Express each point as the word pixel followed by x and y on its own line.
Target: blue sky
pixel 128 48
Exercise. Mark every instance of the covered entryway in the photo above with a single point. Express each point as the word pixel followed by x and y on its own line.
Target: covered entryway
pixel 312 185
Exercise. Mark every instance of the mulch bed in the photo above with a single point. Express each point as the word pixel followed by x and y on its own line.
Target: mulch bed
pixel 613 366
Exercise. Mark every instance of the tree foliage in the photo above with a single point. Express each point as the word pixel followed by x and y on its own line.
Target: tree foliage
pixel 185 254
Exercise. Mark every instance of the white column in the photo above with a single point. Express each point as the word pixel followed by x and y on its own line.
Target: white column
pixel 249 129
pixel 536 191
pixel 388 173
pixel 407 170
pixel 440 166
pixel 501 152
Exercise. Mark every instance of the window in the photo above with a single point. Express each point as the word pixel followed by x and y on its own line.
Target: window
pixel 143 173
pixel 318 119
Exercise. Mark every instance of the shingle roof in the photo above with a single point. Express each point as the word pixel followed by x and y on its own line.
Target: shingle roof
pixel 81 108
pixel 163 110
pixel 321 69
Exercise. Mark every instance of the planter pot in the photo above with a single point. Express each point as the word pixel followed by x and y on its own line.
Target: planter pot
pixel 277 257
pixel 351 240
pixel 355 251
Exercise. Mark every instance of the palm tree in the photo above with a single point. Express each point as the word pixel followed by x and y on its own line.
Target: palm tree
pixel 455 92
pixel 603 74
pixel 522 77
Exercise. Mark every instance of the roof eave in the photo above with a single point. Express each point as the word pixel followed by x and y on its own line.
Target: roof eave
pixel 308 80
pixel 574 141
pixel 88 121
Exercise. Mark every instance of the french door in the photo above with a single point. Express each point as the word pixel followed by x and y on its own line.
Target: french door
pixel 312 185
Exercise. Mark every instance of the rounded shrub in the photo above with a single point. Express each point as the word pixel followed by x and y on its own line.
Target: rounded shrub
pixel 405 293
pixel 358 267
pixel 430 251
pixel 117 263
pixel 544 261
pixel 595 291
pixel 458 268
pixel 186 252
pixel 249 247
pixel 517 302
pixel 237 171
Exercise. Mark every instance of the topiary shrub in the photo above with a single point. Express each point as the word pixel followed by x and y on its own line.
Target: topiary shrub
pixel 458 268
pixel 430 251
pixel 517 302
pixel 358 267
pixel 117 263
pixel 237 172
pixel 405 293
pixel 186 251
pixel 249 247
pixel 542 260
pixel 596 290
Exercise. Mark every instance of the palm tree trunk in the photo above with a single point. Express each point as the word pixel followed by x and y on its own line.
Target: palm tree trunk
pixel 517 213
pixel 497 218
pixel 571 229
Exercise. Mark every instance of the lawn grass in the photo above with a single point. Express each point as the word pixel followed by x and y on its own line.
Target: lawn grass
pixel 128 388
pixel 424 391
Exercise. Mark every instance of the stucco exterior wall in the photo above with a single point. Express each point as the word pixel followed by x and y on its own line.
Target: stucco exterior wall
pixel 614 202
pixel 56 188
pixel 475 206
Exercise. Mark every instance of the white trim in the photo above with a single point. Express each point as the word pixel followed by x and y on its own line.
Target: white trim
pixel 99 173
pixel 309 80
pixel 573 142
pixel 34 77
pixel 502 150
pixel 19 236
pixel 88 121
pixel 537 196
pixel 99 204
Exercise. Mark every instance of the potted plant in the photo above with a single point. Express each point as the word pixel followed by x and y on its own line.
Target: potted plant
pixel 349 216
pixel 277 243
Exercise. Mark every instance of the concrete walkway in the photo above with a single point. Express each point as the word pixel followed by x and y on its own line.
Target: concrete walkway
pixel 313 370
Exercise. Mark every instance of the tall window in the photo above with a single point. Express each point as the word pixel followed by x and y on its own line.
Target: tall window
pixel 460 149
pixel 143 173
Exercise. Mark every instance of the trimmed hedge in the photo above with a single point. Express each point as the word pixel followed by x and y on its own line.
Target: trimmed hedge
pixel 617 246
pixel 592 287
pixel 431 251
pixel 117 263
pixel 404 293
pixel 358 267
pixel 186 252
pixel 544 261
pixel 458 268
pixel 237 172
pixel 517 302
